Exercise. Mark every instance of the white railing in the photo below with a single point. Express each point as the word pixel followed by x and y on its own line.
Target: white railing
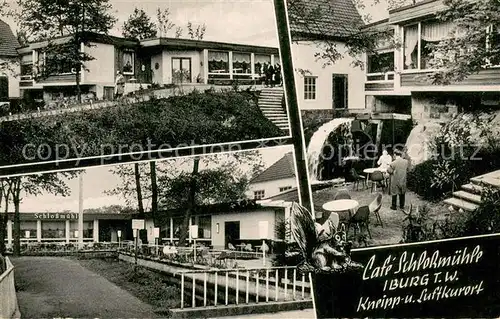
pixel 201 255
pixel 8 299
pixel 202 288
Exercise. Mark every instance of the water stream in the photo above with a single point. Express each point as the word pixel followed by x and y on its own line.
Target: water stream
pixel 316 144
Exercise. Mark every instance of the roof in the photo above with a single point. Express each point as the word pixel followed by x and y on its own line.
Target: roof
pixel 8 41
pixel 283 168
pixel 202 44
pixel 320 18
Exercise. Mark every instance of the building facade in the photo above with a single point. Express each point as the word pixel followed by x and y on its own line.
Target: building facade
pixel 396 79
pixel 277 178
pixel 155 62
pixel 63 227
pixel 9 68
pixel 323 85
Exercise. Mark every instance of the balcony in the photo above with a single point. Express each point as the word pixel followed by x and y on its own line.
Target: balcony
pixel 380 81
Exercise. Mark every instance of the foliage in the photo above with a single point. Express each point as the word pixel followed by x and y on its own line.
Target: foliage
pixel 139 26
pixel 196 33
pixel 194 119
pixel 164 24
pixel 474 45
pixel 485 219
pixel 418 226
pixel 465 147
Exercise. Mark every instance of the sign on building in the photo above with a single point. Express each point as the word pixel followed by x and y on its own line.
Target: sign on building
pixel 137 223
pixel 440 279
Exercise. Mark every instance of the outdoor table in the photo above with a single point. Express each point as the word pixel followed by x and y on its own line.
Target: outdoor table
pixel 341 205
pixel 241 246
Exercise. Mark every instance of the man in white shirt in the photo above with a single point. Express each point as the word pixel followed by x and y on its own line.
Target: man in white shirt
pixel 385 160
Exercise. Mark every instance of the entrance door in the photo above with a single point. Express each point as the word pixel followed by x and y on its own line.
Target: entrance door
pixel 181 70
pixel 232 233
pixel 339 91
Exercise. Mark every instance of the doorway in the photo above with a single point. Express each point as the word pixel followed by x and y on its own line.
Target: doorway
pixel 181 70
pixel 231 233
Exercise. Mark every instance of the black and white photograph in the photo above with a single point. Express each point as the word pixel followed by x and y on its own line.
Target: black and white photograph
pixel 139 235
pixel 113 77
pixel 400 110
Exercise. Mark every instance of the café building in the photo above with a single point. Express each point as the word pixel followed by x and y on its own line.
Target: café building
pixel 63 227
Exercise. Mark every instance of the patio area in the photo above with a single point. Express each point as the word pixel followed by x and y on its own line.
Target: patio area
pixel 393 220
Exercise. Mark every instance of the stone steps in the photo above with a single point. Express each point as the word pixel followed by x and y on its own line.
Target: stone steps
pixel 461 204
pixel 473 198
pixel 472 188
pixel 270 103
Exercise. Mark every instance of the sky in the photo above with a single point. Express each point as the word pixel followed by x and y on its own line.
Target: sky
pixel 97 180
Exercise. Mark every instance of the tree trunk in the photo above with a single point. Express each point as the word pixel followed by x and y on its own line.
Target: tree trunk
pixel 16 198
pixel 191 203
pixel 154 191
pixel 138 189
pixel 78 89
pixel 3 221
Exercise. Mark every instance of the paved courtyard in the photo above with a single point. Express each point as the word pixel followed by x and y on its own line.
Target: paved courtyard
pixel 50 287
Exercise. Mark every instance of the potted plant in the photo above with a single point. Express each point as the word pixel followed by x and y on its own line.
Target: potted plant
pixel 335 277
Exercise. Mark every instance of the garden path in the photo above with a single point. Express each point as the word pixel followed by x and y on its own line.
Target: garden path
pixel 49 287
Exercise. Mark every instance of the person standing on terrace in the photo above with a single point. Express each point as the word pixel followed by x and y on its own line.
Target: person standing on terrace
pixel 398 170
pixel 119 85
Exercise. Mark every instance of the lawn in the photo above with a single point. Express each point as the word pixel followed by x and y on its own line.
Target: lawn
pixel 149 286
pixel 393 220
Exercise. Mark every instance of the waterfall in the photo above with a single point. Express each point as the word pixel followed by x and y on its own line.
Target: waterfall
pixel 318 140
pixel 417 143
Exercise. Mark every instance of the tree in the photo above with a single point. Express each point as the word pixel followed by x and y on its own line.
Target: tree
pixel 164 23
pixel 178 32
pixel 196 33
pixel 34 185
pixel 139 26
pixel 76 20
pixel 474 43
pixel 190 183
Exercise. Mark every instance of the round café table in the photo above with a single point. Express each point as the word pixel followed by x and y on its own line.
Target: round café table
pixel 341 205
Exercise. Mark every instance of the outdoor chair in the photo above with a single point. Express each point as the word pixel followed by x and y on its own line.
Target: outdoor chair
pixel 356 178
pixel 375 206
pixel 248 247
pixel 264 248
pixel 360 219
pixel 231 246
pixel 377 178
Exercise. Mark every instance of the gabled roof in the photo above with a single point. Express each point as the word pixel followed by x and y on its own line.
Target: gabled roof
pixel 332 18
pixel 8 41
pixel 283 168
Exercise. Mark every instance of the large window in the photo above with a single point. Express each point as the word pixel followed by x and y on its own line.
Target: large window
pixel 242 63
pixel 218 62
pixel 128 62
pixel 53 229
pixel 309 88
pixel 204 227
pixel 181 70
pixel 284 189
pixel 419 39
pixel 381 63
pixel 28 226
pixel 339 91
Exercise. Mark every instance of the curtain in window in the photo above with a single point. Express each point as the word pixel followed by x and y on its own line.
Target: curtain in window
pixel 436 31
pixel 411 41
pixel 262 58
pixel 241 57
pixel 218 56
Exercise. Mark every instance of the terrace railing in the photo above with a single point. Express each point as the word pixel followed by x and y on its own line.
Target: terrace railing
pixel 224 287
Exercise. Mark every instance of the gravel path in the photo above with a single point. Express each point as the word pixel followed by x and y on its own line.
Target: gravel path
pixel 61 288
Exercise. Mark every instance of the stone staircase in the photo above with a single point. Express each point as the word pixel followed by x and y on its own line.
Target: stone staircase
pixel 468 198
pixel 270 103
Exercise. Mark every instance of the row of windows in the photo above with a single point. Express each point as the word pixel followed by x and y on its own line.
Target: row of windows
pixel 260 194
pixel 339 90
